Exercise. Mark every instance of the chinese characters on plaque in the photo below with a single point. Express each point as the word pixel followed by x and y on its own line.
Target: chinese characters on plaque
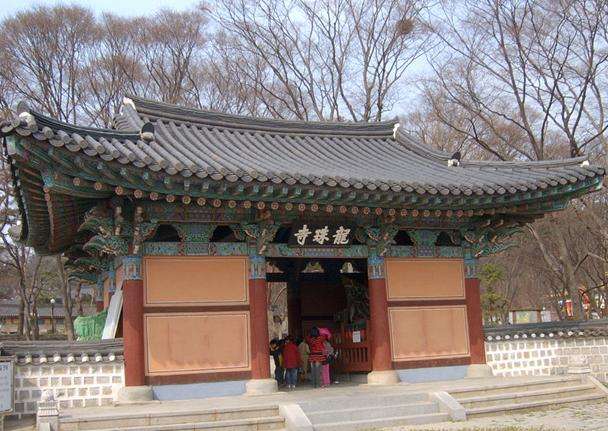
pixel 310 235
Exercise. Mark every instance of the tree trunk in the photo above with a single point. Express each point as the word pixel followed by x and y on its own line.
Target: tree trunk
pixel 21 325
pixel 27 311
pixel 569 278
pixel 67 300
pixel 78 297
pixel 34 325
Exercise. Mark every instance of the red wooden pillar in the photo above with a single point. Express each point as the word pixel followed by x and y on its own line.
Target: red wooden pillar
pixel 475 321
pixel 133 322
pixel 258 315
pixel 378 309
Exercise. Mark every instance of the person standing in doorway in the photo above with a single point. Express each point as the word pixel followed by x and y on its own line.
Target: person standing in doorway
pixel 328 350
pixel 291 362
pixel 317 357
pixel 275 351
pixel 304 351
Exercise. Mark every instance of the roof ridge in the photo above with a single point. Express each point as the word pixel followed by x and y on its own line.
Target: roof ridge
pixel 426 151
pixel 171 112
pixel 525 163
pixel 44 120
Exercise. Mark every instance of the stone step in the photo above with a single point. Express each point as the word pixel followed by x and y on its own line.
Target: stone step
pixel 527 396
pixel 361 401
pixel 129 419
pixel 516 386
pixel 362 414
pixel 383 422
pixel 250 424
pixel 507 408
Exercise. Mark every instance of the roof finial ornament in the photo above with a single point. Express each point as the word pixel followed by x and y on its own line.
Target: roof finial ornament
pixel 147 132
pixel 395 128
pixel 26 119
pixel 128 101
pixel 455 159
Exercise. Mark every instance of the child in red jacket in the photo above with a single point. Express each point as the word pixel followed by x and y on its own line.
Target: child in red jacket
pixel 291 362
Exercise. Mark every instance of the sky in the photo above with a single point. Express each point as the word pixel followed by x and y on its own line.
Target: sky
pixel 119 7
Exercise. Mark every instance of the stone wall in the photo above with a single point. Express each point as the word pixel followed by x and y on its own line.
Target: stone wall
pixel 76 374
pixel 543 349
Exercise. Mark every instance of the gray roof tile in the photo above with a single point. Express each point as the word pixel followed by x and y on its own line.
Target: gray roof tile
pixel 200 143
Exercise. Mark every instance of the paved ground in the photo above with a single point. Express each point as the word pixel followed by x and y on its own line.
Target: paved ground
pixel 591 417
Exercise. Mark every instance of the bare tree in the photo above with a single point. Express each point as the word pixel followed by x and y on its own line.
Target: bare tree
pixel 529 78
pixel 46 48
pixel 325 60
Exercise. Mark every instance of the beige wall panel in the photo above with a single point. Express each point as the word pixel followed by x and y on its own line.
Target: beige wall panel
pixel 432 332
pixel 195 280
pixel 424 279
pixel 185 343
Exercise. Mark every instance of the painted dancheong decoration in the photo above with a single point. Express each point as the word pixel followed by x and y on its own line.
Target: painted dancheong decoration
pixel 234 193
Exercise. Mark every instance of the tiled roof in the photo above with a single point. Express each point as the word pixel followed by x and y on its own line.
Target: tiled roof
pixel 160 151
pixel 206 144
pixel 561 329
pixel 12 310
pixel 49 352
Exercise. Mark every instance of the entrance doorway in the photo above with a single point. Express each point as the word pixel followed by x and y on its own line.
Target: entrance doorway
pixel 327 293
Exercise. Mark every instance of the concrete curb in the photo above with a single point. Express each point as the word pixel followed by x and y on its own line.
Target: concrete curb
pixel 449 405
pixel 295 418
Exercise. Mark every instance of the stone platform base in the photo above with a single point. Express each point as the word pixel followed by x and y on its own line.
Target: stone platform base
pixel 479 370
pixel 261 387
pixel 134 395
pixel 389 377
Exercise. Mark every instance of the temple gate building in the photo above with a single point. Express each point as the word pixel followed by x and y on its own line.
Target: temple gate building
pixel 192 213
